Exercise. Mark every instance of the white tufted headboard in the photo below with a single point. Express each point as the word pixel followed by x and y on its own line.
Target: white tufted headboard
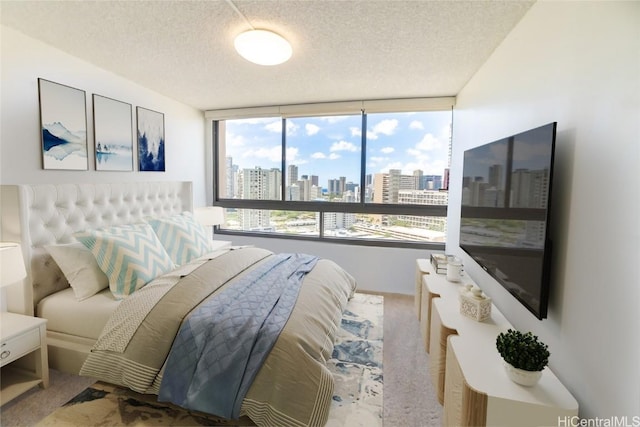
pixel 39 215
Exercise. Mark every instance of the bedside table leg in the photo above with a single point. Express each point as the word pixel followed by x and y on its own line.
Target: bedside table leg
pixel 42 359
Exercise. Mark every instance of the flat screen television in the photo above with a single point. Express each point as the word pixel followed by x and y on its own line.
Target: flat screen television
pixel 505 212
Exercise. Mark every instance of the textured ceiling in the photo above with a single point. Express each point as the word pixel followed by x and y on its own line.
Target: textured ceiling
pixel 342 50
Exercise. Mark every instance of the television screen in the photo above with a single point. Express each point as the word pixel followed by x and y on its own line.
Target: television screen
pixel 506 195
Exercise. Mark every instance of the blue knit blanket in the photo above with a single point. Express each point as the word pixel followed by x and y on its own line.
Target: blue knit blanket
pixel 222 344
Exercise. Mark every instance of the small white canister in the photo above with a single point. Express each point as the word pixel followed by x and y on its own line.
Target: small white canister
pixel 454 269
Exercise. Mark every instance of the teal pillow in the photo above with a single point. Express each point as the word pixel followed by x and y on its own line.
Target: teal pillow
pixel 131 256
pixel 182 236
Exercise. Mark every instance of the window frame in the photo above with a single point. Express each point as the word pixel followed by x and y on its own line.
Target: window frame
pixel 360 207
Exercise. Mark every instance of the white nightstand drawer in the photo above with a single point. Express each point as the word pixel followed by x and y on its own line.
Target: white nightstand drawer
pixel 17 347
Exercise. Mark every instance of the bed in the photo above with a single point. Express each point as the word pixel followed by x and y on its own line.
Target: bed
pixel 263 353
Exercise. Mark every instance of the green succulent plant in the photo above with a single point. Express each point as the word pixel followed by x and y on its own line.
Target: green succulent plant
pixel 522 350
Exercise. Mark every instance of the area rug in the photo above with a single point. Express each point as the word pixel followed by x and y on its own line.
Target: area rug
pixel 356 365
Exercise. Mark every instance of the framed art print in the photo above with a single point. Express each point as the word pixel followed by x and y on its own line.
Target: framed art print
pixel 150 140
pixel 113 134
pixel 63 126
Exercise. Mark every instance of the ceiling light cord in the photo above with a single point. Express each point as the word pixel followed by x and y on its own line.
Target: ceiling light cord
pixel 233 6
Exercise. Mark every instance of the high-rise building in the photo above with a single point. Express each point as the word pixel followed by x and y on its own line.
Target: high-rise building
pixel 293 193
pixel 495 176
pixel 258 184
pixel 292 174
pixel 424 197
pixel 387 185
pixel 429 182
pixel 231 177
pixel 337 220
pixel 333 186
pixel 529 188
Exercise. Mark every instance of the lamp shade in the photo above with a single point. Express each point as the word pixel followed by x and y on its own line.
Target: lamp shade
pixel 11 264
pixel 263 47
pixel 209 215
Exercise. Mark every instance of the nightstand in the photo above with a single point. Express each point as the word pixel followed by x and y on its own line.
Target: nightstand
pixel 22 336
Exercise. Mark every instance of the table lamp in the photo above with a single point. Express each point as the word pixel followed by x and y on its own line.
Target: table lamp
pixel 209 216
pixel 12 268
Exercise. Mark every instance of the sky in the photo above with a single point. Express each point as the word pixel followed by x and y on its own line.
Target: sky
pixel 330 147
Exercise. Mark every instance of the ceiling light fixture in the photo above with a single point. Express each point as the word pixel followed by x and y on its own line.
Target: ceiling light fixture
pixel 262 47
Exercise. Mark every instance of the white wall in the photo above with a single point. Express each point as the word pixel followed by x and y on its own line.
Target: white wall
pixel 577 63
pixel 25 59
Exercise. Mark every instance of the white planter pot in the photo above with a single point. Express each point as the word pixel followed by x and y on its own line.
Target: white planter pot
pixel 522 377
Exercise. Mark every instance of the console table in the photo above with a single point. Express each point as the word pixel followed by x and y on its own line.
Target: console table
pixel 467 369
pixel 423 267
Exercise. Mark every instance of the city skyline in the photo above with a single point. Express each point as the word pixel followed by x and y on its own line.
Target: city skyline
pixel 330 147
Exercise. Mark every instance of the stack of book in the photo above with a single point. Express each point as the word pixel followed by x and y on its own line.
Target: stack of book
pixel 439 263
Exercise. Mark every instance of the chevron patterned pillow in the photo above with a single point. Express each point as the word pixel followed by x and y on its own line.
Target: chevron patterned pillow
pixel 182 236
pixel 131 256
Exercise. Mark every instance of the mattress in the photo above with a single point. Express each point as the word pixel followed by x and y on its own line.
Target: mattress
pixel 85 319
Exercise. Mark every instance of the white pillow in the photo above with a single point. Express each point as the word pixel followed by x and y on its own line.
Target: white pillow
pixel 80 268
pixel 131 256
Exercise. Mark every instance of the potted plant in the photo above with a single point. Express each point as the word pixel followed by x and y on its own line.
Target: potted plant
pixel 524 355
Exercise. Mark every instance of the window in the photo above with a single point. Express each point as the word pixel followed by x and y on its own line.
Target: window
pixel 256 146
pixel 353 176
pixel 323 158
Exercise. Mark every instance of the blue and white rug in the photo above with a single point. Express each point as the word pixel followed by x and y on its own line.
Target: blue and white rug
pixel 356 364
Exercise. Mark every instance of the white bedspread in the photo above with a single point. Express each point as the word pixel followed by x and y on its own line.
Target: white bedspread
pixel 69 316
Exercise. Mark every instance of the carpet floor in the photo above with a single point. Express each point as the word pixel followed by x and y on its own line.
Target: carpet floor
pixel 409 398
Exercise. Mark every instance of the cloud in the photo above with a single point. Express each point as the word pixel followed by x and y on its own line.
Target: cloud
pixel 343 146
pixel 429 143
pixel 386 127
pixel 321 156
pixel 272 154
pixel 392 165
pixel 274 127
pixel 357 132
pixel 416 124
pixel 333 119
pixel 233 140
pixel 311 129
pixel 377 159
pixel 292 128
pixel 387 150
pixel 292 155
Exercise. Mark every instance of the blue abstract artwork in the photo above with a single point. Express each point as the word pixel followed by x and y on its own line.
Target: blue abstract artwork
pixel 150 140
pixel 63 126
pixel 113 134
